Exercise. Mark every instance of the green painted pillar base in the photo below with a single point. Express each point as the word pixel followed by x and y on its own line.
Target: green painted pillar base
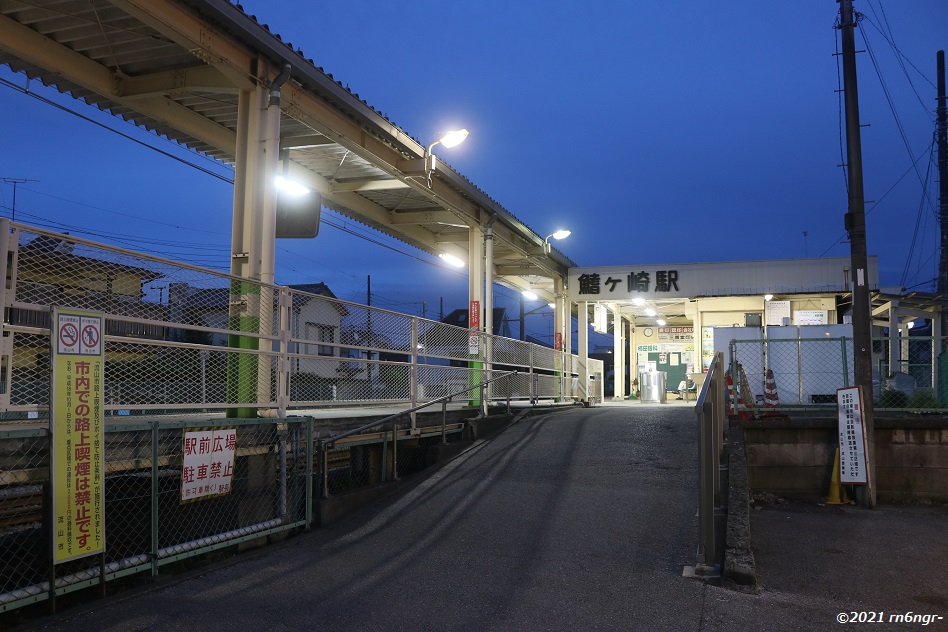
pixel 475 377
pixel 242 367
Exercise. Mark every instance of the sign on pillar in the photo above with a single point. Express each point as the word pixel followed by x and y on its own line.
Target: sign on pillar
pixel 76 426
pixel 474 328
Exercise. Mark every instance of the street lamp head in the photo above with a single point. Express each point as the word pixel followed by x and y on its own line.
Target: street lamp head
pixel 561 234
pixel 294 189
pixel 451 260
pixel 450 139
pixel 768 297
pixel 453 138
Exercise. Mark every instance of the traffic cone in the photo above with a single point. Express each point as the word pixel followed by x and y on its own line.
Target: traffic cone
pixel 737 402
pixel 732 411
pixel 837 493
pixel 770 396
pixel 770 391
pixel 746 392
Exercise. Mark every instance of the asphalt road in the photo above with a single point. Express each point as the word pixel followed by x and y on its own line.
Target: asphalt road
pixel 576 520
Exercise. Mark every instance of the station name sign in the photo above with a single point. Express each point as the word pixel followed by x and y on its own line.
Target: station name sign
pixel 595 285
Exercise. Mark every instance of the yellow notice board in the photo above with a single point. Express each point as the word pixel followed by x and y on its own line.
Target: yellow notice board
pixel 77 429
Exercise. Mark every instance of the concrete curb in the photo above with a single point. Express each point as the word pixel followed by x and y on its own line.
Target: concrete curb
pixel 739 565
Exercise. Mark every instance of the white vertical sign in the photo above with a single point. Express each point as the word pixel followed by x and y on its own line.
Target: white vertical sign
pixel 853 467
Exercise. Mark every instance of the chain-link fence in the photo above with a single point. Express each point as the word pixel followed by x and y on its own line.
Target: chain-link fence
pixel 908 372
pixel 157 508
pixel 179 338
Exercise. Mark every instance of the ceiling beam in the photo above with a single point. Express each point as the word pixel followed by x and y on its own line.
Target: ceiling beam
pixel 200 78
pixel 425 217
pixel 199 37
pixel 368 185
pixel 447 188
pixel 304 142
pixel 42 51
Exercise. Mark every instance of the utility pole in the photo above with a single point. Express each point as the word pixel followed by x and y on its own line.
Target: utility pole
pixel 941 117
pixel 856 226
pixel 14 182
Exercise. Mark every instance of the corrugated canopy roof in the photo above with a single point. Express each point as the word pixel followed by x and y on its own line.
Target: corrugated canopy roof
pixel 175 67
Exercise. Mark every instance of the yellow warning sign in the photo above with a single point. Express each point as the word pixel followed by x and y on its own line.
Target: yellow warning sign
pixel 77 430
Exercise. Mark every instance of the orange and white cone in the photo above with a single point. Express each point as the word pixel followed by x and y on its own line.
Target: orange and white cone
pixel 730 395
pixel 737 403
pixel 771 400
pixel 770 391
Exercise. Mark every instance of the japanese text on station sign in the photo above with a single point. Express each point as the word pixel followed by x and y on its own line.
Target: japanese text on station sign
pixel 208 464
pixel 632 283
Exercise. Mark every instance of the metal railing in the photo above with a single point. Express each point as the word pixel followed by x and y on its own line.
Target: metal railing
pixel 350 471
pixel 909 372
pixel 147 521
pixel 711 417
pixel 179 338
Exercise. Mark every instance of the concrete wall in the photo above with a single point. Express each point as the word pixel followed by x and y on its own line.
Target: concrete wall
pixel 795 457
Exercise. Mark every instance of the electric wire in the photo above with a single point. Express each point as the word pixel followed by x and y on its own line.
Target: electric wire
pixel 189 256
pixel 879 201
pixel 892 108
pixel 920 215
pixel 900 57
pixel 59 106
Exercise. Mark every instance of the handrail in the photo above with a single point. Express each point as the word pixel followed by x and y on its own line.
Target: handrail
pixel 330 442
pixel 326 444
pixel 710 415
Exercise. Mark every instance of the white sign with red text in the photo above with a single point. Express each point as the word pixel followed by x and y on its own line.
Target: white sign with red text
pixel 208 467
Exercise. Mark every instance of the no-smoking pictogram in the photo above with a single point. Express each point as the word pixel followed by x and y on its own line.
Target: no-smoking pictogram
pixel 69 334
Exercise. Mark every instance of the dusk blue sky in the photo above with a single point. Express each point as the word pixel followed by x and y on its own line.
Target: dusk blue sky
pixel 657 132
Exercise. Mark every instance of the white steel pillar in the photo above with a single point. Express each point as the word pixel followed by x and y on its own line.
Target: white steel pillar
pixel 894 347
pixel 559 311
pixel 582 341
pixel 244 314
pixel 618 367
pixel 475 291
pixel 248 121
pixel 489 295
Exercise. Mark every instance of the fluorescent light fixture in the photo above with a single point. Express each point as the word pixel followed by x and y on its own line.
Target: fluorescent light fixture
pixel 452 138
pixel 561 234
pixel 650 312
pixel 911 324
pixel 553 306
pixel 290 187
pixel 768 297
pixel 660 322
pixel 638 301
pixel 530 296
pixel 451 260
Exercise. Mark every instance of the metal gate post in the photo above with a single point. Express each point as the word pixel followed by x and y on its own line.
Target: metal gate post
pixel 154 498
pixel 308 503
